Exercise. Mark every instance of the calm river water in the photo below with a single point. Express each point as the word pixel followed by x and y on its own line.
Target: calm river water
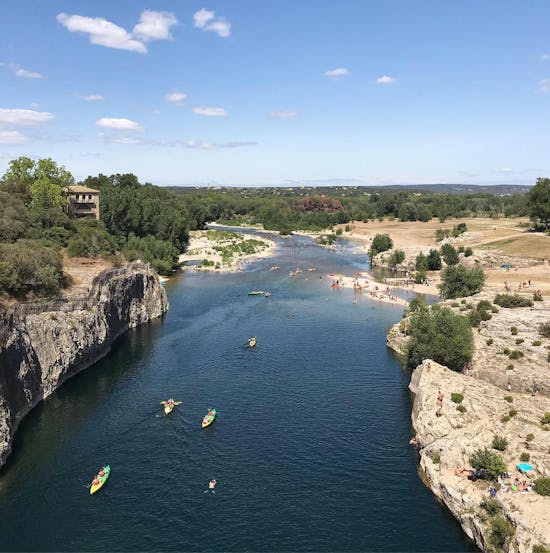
pixel 310 448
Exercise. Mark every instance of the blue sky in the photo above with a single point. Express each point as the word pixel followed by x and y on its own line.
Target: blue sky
pixel 276 91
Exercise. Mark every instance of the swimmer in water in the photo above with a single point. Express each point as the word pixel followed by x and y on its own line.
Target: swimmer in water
pixel 211 486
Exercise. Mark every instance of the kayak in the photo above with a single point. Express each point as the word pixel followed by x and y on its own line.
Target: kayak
pixel 168 408
pixel 252 342
pixel 256 293
pixel 95 487
pixel 267 294
pixel 209 419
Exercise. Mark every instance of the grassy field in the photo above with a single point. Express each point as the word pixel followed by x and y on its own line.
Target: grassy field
pixel 524 245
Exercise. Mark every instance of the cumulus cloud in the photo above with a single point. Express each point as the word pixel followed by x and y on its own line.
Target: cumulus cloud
pixel 338 72
pixel 24 117
pixel 12 137
pixel 385 79
pixel 20 72
pixel 155 26
pixel 175 97
pixel 210 112
pixel 119 124
pixel 544 85
pixel 283 114
pixel 92 97
pixel 207 21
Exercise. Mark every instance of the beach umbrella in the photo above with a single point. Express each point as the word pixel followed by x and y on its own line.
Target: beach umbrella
pixel 524 467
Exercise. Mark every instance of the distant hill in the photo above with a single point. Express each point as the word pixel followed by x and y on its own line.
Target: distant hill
pixel 462 189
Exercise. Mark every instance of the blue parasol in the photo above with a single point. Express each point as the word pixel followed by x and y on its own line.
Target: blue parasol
pixel 524 467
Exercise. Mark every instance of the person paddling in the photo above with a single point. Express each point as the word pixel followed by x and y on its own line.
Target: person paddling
pixel 211 486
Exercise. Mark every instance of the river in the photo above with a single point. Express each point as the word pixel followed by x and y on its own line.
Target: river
pixel 310 446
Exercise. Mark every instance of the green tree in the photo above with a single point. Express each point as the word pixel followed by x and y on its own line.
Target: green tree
pixel 434 260
pixel 439 334
pixel 18 178
pixel 538 202
pixel 449 254
pixel 421 262
pixel 491 465
pixel 458 281
pixel 380 243
pixel 396 257
pixel 91 240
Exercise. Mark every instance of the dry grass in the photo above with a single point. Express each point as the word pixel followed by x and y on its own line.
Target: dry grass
pixel 524 245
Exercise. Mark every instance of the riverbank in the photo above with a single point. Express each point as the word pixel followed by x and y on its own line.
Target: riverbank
pixel 44 344
pixel 494 397
pixel 219 250
pixel 365 286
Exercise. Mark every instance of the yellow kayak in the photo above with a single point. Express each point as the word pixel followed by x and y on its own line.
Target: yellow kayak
pixel 252 342
pixel 169 405
pixel 100 480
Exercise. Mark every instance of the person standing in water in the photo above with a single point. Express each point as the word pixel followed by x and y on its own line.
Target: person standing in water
pixel 211 486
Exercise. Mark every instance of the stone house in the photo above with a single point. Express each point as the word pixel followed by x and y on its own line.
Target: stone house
pixel 83 201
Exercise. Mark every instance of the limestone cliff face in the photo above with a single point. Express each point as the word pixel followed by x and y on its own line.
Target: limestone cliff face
pixel 42 345
pixel 451 438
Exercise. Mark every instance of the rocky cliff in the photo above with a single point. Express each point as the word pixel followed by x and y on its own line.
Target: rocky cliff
pixel 42 345
pixel 446 441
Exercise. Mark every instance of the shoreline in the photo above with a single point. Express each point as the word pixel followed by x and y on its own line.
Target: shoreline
pixel 364 286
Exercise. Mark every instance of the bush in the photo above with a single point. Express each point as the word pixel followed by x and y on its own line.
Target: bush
pixel 542 486
pixel 461 408
pixel 434 260
pixel 501 532
pixel 490 464
pixel 380 243
pixel 435 456
pixel 460 281
pixel 544 330
pixel 162 254
pixel 396 257
pixel 545 419
pixel 530 437
pixel 491 506
pixel 421 262
pixel 539 548
pixel 500 443
pixel 512 301
pixel 519 341
pixel 419 277
pixel 537 297
pixel 456 398
pixel 514 330
pixel 468 252
pixel 512 413
pixel 537 343
pixel 441 234
pixel 338 232
pixel 509 399
pixel 516 354
pixel 449 254
pixel 474 318
pixel 416 304
pixel 509 367
pixel 91 240
pixel 506 351
pixel 459 229
pixel 439 334
pixel 489 341
pixel 524 457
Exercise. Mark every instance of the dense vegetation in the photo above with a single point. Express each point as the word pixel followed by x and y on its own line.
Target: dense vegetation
pixel 438 333
pixel 538 202
pixel 458 281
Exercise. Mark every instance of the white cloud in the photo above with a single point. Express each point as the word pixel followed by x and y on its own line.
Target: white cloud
pixel 123 139
pixel 102 32
pixel 544 85
pixel 385 79
pixel 92 97
pixel 338 72
pixel 154 26
pixel 20 72
pixel 545 57
pixel 210 112
pixel 200 145
pixel 175 97
pixel 207 21
pixel 12 137
pixel 283 114
pixel 119 124
pixel 24 117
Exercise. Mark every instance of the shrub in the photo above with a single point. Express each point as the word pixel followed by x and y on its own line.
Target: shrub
pixel 490 464
pixel 544 330
pixel 91 240
pixel 519 341
pixel 537 297
pixel 419 277
pixel 516 354
pixel 434 260
pixel 484 305
pixel 512 301
pixel 514 330
pixel 338 232
pixel 347 228
pixel 162 254
pixel 468 252
pixel 509 367
pixel 416 304
pixel 512 413
pixel 461 408
pixel 441 234
pixel 474 318
pixel 506 351
pixel 489 341
pixel 530 437
pixel 435 456
pixel 542 486
pixel 459 229
pixel 509 399
pixel 491 505
pixel 457 398
pixel 499 442
pixel 539 548
pixel 439 334
pixel 449 254
pixel 501 532
pixel 396 257
pixel 380 243
pixel 537 343
pixel 545 419
pixel 460 281
pixel 524 457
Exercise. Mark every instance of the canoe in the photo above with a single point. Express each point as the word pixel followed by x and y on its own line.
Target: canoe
pixel 95 487
pixel 267 294
pixel 252 342
pixel 209 419
pixel 256 293
pixel 169 408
